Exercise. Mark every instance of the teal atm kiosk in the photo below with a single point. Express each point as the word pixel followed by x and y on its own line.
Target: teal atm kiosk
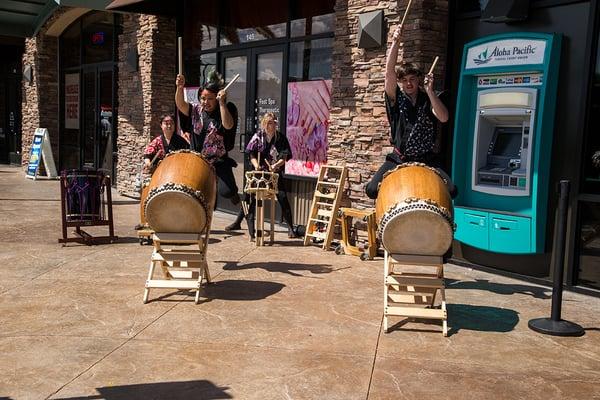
pixel 503 141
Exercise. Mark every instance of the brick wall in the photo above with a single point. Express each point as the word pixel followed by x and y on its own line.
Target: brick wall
pixel 359 131
pixel 40 96
pixel 144 94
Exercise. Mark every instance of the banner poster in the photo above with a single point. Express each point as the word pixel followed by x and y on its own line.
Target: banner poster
pixel 35 154
pixel 72 101
pixel 307 126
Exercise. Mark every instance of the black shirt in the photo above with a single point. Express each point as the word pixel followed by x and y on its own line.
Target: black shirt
pixel 202 121
pixel 277 149
pixel 413 127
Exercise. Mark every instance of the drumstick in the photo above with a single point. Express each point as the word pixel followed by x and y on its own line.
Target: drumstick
pixel 406 12
pixel 433 65
pixel 180 54
pixel 230 83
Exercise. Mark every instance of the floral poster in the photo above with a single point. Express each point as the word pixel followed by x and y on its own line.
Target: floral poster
pixel 307 126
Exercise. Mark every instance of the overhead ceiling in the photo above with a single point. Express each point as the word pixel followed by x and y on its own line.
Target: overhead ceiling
pixel 23 18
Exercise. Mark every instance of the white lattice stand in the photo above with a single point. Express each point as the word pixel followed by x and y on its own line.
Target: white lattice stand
pixel 183 266
pixel 412 294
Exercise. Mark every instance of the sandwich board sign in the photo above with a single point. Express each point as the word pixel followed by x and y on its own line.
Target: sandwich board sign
pixel 41 150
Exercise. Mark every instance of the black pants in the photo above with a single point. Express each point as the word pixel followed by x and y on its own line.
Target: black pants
pixel 372 188
pixel 226 183
pixel 286 210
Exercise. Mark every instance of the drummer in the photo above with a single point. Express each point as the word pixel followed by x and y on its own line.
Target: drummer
pixel 413 115
pixel 213 129
pixel 268 150
pixel 167 141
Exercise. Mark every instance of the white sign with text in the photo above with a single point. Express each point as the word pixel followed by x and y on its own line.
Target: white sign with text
pixel 506 52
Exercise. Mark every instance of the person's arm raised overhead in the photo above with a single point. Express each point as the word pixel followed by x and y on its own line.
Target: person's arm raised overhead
pixel 182 105
pixel 391 80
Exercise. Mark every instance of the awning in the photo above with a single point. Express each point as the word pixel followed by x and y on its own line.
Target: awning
pixel 23 18
pixel 154 7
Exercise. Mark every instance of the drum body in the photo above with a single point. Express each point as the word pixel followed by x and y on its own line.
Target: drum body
pixel 83 195
pixel 261 180
pixel 143 197
pixel 414 211
pixel 181 194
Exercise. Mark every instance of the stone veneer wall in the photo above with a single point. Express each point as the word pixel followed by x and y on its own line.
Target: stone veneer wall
pixel 359 131
pixel 145 94
pixel 40 96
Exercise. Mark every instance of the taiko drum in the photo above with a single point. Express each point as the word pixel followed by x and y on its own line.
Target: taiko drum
pixel 181 194
pixel 414 211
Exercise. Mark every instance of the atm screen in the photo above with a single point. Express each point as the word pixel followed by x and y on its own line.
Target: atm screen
pixel 507 142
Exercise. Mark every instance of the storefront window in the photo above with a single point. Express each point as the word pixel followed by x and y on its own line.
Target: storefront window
pixel 591 171
pixel 313 25
pixel 97 37
pixel 246 24
pixel 197 68
pixel 71 46
pixel 311 59
pixel 201 20
pixel 308 101
pixel 589 248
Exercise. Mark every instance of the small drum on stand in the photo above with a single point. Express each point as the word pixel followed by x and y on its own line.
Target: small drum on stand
pixel 414 211
pixel 261 181
pixel 182 194
pixel 263 185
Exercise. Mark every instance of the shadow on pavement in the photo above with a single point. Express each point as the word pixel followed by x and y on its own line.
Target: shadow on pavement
pixel 239 289
pixel 200 389
pixel 500 288
pixel 286 268
pixel 480 318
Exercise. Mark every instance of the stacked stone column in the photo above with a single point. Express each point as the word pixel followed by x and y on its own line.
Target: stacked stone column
pixel 359 131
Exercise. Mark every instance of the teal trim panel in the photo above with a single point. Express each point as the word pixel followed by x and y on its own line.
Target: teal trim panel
pixel 495 211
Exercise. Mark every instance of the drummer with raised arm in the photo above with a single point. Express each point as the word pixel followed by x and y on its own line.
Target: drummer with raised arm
pixel 214 126
pixel 413 115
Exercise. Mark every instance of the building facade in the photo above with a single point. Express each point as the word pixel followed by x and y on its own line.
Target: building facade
pixel 101 80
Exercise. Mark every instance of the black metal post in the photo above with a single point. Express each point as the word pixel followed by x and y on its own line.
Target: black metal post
pixel 555 325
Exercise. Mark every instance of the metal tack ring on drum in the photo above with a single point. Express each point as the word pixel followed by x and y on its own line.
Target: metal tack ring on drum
pixel 403 207
pixel 413 164
pixel 198 195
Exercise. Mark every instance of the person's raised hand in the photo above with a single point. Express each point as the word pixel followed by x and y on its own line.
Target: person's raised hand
pixel 222 97
pixel 428 83
pixel 180 81
pixel 397 33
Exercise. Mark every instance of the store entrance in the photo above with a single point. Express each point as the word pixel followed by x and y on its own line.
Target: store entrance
pixel 258 90
pixel 98 122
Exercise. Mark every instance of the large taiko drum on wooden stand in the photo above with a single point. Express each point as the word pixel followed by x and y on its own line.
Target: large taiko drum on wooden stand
pixel 414 211
pixel 181 194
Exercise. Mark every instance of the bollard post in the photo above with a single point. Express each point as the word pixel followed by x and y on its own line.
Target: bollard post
pixel 555 325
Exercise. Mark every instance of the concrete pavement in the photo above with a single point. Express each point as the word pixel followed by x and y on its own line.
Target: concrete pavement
pixel 281 322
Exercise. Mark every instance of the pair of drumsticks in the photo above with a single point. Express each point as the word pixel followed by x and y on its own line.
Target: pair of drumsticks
pixel 402 24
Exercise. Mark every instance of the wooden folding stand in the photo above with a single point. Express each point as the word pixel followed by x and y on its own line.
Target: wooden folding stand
pixel 413 294
pixel 346 215
pixel 182 268
pixel 262 196
pixel 325 204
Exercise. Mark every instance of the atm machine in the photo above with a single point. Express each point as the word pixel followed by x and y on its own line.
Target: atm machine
pixel 503 141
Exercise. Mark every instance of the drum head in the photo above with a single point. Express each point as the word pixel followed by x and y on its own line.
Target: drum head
pixel 418 232
pixel 175 211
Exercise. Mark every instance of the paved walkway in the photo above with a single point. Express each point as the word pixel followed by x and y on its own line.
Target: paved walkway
pixel 281 322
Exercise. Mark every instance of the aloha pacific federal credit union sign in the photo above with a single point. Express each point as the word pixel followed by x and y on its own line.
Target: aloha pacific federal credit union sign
pixel 506 52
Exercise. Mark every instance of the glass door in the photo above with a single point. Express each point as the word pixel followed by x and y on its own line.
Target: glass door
pixel 233 64
pixel 257 91
pixel 98 121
